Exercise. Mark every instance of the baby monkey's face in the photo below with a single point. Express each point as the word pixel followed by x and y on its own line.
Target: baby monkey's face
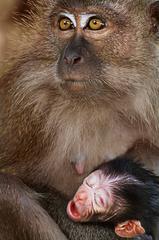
pixel 94 197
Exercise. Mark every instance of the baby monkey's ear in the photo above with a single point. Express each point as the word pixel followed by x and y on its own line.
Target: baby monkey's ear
pixel 129 229
pixel 154 14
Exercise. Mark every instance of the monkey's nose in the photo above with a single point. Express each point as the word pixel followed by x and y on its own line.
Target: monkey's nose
pixel 73 59
pixel 81 197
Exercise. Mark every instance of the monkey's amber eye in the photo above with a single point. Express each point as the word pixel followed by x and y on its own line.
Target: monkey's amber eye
pixel 95 24
pixel 65 24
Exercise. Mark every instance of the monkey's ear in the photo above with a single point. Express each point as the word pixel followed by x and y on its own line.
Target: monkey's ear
pixel 154 14
pixel 129 229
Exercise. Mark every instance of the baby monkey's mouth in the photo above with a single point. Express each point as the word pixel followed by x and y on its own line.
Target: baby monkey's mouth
pixel 73 211
pixel 78 213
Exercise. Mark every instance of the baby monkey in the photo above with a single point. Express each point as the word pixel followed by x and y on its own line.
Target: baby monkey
pixel 122 193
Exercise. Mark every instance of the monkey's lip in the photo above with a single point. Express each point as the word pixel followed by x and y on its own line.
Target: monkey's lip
pixel 73 212
pixel 73 80
pixel 74 84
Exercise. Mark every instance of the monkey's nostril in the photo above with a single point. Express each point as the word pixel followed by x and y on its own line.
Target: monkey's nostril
pixel 66 60
pixel 77 60
pixel 73 60
pixel 82 197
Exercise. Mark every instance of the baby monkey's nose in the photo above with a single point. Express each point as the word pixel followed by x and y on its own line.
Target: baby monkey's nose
pixel 81 197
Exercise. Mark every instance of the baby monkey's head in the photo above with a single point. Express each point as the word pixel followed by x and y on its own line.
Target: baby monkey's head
pixel 94 197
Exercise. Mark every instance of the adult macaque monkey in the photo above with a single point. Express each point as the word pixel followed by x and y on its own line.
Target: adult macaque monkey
pixel 78 86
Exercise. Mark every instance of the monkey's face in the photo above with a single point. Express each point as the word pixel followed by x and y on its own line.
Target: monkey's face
pixel 100 48
pixel 91 198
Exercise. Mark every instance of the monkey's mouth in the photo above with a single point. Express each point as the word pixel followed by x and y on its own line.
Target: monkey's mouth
pixel 76 214
pixel 73 212
pixel 71 80
pixel 74 84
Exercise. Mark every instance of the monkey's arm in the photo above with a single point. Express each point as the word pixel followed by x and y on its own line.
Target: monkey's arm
pixel 21 216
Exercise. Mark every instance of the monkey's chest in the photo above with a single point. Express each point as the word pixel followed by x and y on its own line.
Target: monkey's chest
pixel 85 147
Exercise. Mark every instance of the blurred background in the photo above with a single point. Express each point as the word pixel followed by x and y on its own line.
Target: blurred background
pixel 6 8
